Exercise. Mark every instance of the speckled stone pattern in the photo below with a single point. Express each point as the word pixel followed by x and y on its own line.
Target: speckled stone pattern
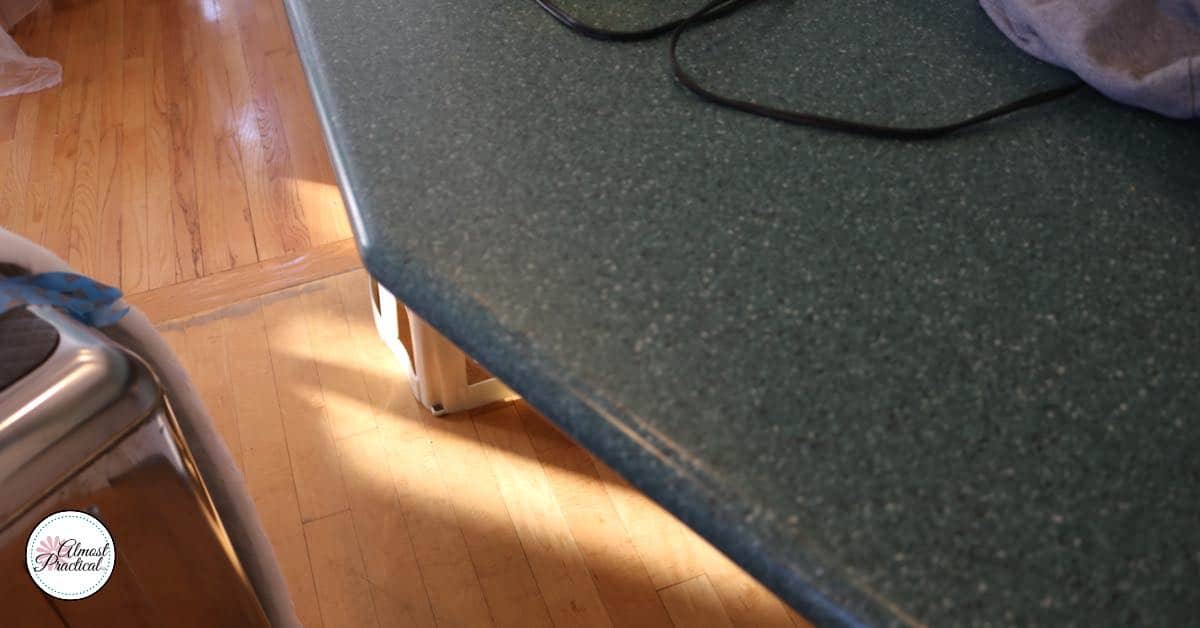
pixel 953 383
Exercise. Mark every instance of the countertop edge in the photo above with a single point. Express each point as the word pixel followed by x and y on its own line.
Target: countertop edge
pixel 586 416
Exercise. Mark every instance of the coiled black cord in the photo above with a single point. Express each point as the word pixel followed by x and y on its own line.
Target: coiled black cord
pixel 716 9
pixel 605 34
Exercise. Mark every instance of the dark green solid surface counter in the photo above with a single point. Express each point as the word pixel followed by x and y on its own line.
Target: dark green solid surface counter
pixel 953 382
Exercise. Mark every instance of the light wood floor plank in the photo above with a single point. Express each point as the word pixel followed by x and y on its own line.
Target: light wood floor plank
pixel 560 569
pixel 341 580
pixel 245 282
pixel 309 159
pixel 134 214
pixel 747 602
pixel 112 42
pixel 18 155
pixel 268 236
pixel 671 552
pixel 397 413
pixel 108 200
pixel 283 200
pixel 162 260
pixel 446 566
pixel 263 445
pixel 228 236
pixel 133 41
pixel 7 148
pixel 620 577
pixel 265 461
pixel 505 576
pixel 694 603
pixel 397 587
pixel 84 254
pixel 674 553
pixel 83 207
pixel 311 449
pixel 176 338
pixel 275 35
pixel 112 116
pixel 347 403
pixel 274 495
pixel 208 364
pixel 178 52
pixel 40 185
pixel 483 527
pixel 56 230
pixel 218 247
pixel 542 433
pixel 16 140
pixel 230 182
pixel 8 118
pixel 205 145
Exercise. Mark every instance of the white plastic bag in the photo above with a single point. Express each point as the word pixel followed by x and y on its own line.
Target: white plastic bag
pixel 1144 53
pixel 20 73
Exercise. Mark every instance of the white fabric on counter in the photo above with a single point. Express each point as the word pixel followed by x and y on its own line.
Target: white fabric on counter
pixel 1144 53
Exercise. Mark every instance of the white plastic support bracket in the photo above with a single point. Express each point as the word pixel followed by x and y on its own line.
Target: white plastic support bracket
pixel 438 370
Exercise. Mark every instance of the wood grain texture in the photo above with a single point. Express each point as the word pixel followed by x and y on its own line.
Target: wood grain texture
pixel 542 433
pixel 179 110
pixel 671 552
pixel 274 495
pixel 450 578
pixel 238 284
pixel 310 442
pixel 163 261
pixel 560 569
pixel 505 576
pixel 134 213
pixel 58 180
pixel 19 148
pixel 620 576
pixel 391 568
pixel 489 518
pixel 82 204
pixel 314 180
pixel 209 365
pixel 347 403
pixel 264 452
pixel 747 603
pixel 261 439
pixel 182 142
pixel 339 573
pixel 695 603
pixel 8 118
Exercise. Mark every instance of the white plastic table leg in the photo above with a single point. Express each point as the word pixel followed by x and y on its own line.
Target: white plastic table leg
pixel 438 372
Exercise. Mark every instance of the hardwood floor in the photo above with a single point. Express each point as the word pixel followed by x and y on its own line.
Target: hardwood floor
pixel 182 161
pixel 181 144
pixel 382 514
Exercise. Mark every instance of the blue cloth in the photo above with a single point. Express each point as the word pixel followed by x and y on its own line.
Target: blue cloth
pixel 1144 53
pixel 88 301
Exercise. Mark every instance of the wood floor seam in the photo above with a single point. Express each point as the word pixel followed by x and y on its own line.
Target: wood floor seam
pixel 212 292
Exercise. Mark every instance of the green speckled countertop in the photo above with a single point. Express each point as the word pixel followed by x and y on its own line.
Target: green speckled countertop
pixel 948 383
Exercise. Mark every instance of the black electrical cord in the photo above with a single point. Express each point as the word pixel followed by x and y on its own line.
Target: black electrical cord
pixel 716 9
pixel 604 34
